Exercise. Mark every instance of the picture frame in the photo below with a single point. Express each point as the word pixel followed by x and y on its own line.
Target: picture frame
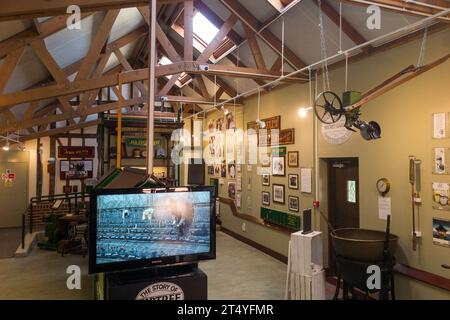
pixel 293 181
pixel 441 196
pixel 441 232
pixel 232 190
pixel 211 170
pixel 279 166
pixel 232 170
pixel 238 201
pixel 239 183
pixel 440 125
pixel 293 204
pixel 265 179
pixel 287 136
pixel 265 199
pixel 440 161
pixel 278 193
pixel 293 159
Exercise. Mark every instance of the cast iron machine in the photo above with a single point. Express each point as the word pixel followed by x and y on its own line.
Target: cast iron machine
pixel 329 107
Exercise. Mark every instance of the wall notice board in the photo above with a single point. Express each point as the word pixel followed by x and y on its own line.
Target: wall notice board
pixel 76 169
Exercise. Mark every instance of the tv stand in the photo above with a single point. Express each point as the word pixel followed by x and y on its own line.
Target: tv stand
pixel 175 282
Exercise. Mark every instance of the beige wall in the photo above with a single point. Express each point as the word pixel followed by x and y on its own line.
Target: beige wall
pixel 405 117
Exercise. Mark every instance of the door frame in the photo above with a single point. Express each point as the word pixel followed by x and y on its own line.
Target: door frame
pixel 331 183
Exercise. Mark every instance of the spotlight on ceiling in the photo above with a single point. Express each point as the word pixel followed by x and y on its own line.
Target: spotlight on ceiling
pixel 6 146
pixel 261 124
pixel 303 112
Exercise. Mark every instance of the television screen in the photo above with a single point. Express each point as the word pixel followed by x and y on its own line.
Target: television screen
pixel 196 172
pixel 133 229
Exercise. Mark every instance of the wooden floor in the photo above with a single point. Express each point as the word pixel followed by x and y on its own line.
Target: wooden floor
pixel 239 272
pixel 9 241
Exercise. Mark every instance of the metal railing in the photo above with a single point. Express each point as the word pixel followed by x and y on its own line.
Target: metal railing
pixel 72 200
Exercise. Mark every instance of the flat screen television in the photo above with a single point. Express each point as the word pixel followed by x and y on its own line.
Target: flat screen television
pixel 196 172
pixel 140 228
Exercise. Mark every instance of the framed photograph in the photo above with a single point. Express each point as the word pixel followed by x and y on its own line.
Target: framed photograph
pixel 441 193
pixel 223 170
pixel 440 125
pixel 232 190
pixel 287 136
pixel 293 159
pixel 232 170
pixel 266 179
pixel 220 124
pixel 217 170
pixel 440 160
pixel 238 201
pixel 293 203
pixel 441 232
pixel 278 193
pixel 279 166
pixel 230 119
pixel 238 168
pixel 265 198
pixel 210 170
pixel 239 183
pixel 293 181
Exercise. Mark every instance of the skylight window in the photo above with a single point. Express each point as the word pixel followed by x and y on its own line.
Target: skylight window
pixel 203 28
pixel 204 32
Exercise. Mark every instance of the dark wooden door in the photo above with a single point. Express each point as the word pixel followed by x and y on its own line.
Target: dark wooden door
pixel 343 196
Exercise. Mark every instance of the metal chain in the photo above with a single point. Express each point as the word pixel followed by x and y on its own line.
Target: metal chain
pixel 323 49
pixel 423 48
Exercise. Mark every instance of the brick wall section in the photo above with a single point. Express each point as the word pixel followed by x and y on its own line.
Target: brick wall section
pixel 43 210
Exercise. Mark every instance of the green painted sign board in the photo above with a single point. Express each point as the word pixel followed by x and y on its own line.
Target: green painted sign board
pixel 281 218
pixel 136 142
pixel 279 151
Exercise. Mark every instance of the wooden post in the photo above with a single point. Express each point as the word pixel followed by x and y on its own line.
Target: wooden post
pixel 151 85
pixel 119 124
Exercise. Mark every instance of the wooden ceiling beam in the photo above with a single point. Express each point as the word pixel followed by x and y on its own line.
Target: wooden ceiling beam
pixel 52 132
pixel 266 35
pixel 255 49
pixel 28 9
pixel 221 34
pixel 188 30
pixel 347 28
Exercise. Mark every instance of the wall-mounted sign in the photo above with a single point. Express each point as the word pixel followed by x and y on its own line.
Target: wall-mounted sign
pixel 336 133
pixel 67 189
pixel 137 142
pixel 76 152
pixel 8 178
pixel 76 169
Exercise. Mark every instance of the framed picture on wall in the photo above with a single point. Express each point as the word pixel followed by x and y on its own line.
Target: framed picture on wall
pixel 293 181
pixel 440 160
pixel 266 179
pixel 265 198
pixel 441 194
pixel 278 193
pixel 279 166
pixel 440 125
pixel 232 190
pixel 441 232
pixel 293 203
pixel 239 183
pixel 293 159
pixel 238 201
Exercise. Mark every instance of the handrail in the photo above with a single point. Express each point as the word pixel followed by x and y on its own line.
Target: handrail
pixel 49 198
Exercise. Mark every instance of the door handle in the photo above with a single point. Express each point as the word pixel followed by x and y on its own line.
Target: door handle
pixel 445 266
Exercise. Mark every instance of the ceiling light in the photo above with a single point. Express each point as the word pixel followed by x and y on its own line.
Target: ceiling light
pixel 303 112
pixel 6 146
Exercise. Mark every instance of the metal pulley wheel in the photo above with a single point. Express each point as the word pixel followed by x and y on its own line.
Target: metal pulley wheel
pixel 328 107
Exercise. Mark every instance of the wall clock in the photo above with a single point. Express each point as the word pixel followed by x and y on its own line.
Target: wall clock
pixel 383 186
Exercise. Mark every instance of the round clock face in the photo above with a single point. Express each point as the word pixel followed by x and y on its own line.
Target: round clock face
pixel 383 186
